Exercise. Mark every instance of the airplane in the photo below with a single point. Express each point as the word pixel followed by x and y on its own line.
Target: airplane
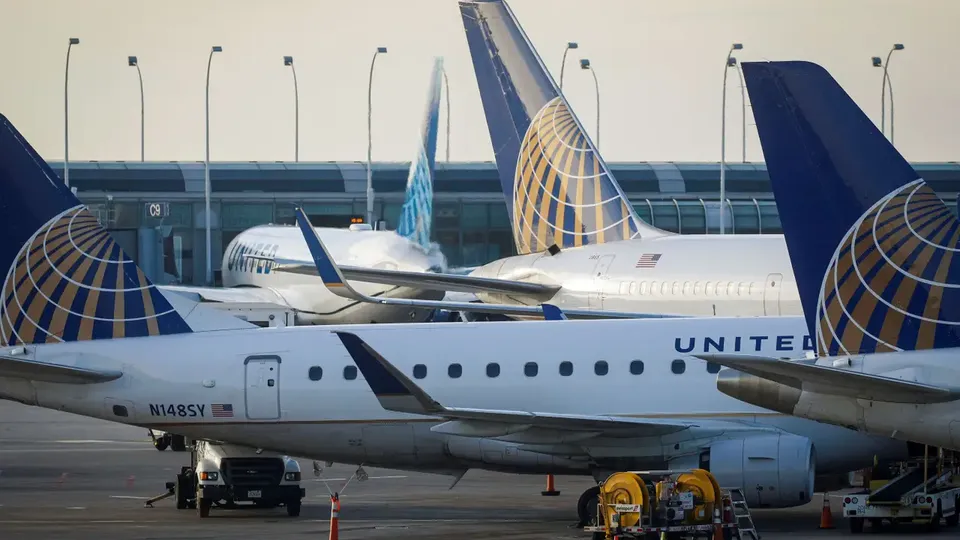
pixel 249 259
pixel 872 246
pixel 578 237
pixel 82 330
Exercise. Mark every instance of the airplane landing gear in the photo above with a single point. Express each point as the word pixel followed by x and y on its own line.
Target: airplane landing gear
pixel 587 507
pixel 162 441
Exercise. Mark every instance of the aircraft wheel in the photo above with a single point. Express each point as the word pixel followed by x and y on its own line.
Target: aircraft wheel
pixel 161 443
pixel 587 506
pixel 178 443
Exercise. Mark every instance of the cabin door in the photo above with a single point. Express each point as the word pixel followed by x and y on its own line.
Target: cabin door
pixel 595 300
pixel 262 387
pixel 771 294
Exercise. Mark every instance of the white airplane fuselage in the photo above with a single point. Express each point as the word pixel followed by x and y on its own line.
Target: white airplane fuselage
pixel 315 405
pixel 306 294
pixel 722 275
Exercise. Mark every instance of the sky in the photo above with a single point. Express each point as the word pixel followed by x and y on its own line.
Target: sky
pixel 659 64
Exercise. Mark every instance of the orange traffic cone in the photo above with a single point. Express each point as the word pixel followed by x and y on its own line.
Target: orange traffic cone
pixel 826 516
pixel 717 526
pixel 550 492
pixel 334 517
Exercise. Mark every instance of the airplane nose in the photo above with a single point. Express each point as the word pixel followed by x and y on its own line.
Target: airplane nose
pixel 758 391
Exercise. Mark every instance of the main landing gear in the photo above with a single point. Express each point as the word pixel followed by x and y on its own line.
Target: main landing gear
pixel 162 440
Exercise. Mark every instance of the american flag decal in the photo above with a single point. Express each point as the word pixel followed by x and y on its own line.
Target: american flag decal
pixel 648 260
pixel 222 410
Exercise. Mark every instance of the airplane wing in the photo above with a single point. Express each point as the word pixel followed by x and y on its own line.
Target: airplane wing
pixel 830 380
pixel 429 280
pixel 226 295
pixel 396 392
pixel 25 368
pixel 334 279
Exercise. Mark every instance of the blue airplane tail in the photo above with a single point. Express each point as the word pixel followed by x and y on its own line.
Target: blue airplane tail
pixel 871 244
pixel 416 217
pixel 66 279
pixel 558 189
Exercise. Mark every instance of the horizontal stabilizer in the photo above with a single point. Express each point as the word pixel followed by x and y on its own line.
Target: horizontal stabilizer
pixel 397 392
pixel 805 375
pixel 24 368
pixel 334 279
pixel 226 295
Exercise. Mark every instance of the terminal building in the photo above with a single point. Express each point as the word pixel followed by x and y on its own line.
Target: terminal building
pixel 155 210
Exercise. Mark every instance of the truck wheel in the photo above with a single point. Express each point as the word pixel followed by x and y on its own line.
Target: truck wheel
pixel 954 519
pixel 161 443
pixel 178 443
pixel 293 508
pixel 180 492
pixel 856 525
pixel 203 507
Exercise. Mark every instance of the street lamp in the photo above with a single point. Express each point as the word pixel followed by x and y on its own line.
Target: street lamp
pixel 730 62
pixel 884 84
pixel 66 114
pixel 380 50
pixel 206 169
pixel 288 61
pixel 585 64
pixel 446 85
pixel 563 63
pixel 132 62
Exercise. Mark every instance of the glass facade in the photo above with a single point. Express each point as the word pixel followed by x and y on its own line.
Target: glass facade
pixel 470 218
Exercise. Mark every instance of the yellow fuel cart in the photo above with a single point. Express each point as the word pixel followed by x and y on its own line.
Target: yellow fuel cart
pixel 672 503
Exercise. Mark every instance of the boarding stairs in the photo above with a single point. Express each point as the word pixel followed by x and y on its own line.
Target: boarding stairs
pixel 741 512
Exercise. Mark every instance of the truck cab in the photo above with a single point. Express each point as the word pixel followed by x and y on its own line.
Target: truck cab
pixel 232 476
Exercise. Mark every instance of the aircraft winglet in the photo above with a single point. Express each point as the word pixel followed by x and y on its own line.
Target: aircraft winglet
pixel 332 277
pixel 394 390
pixel 553 313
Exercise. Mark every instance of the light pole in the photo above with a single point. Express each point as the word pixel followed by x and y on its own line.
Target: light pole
pixel 380 50
pixel 446 85
pixel 66 114
pixel 206 169
pixel 132 61
pixel 730 62
pixel 563 63
pixel 884 84
pixel 585 64
pixel 288 61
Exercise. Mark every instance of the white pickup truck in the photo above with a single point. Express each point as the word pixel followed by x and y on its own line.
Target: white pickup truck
pixel 224 475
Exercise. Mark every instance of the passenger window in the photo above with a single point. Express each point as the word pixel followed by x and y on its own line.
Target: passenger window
pixel 315 373
pixel 623 287
pixel 601 368
pixel 419 371
pixel 713 367
pixel 731 288
pixel 678 367
pixel 530 369
pixel 743 289
pixel 633 287
pixel 636 367
pixel 350 372
pixel 493 370
pixel 566 369
pixel 665 288
pixel 644 287
pixel 687 288
pixel 454 371
pixel 709 288
pixel 698 288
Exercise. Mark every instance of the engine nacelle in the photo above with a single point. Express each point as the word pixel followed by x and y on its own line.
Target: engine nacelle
pixel 775 470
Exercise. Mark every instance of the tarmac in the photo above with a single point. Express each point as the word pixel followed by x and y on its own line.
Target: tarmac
pixel 65 476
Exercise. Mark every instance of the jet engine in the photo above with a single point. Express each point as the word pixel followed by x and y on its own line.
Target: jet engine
pixel 775 470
